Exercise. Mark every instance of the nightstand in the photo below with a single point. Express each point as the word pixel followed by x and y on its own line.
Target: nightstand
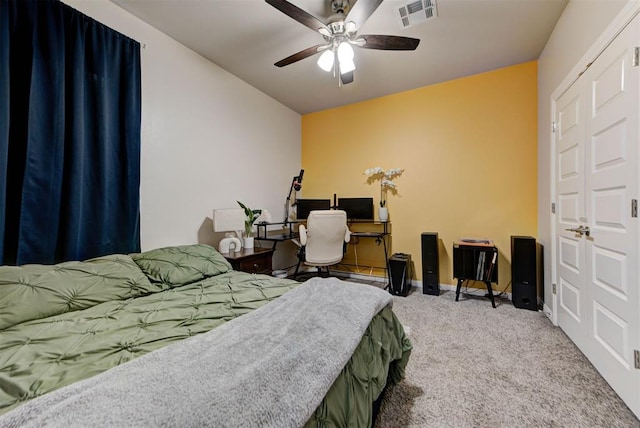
pixel 251 260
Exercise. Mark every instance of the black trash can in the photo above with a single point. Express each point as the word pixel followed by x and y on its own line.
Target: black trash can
pixel 400 274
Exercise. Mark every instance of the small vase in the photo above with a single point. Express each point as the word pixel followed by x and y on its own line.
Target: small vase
pixel 247 242
pixel 383 214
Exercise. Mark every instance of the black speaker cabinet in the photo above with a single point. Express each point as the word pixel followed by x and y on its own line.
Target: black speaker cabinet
pixel 526 273
pixel 400 274
pixel 430 264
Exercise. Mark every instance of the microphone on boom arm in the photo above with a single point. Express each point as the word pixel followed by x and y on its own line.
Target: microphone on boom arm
pixel 297 181
pixel 296 184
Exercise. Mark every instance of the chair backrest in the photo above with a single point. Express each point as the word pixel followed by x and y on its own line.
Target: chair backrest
pixel 326 234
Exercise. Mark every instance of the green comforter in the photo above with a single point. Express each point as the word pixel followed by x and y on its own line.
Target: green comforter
pixel 60 324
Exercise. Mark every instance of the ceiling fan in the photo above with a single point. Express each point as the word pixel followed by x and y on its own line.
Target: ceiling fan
pixel 340 33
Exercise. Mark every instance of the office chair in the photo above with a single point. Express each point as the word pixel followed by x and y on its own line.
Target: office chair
pixel 323 239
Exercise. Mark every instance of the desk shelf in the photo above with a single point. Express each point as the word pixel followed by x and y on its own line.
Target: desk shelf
pixel 286 232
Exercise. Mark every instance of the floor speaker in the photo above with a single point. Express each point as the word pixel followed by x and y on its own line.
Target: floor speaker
pixel 526 273
pixel 400 274
pixel 430 264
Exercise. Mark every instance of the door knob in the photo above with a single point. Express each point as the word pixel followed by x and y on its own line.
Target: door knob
pixel 582 230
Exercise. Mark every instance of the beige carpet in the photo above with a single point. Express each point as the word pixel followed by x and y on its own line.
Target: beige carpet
pixel 475 366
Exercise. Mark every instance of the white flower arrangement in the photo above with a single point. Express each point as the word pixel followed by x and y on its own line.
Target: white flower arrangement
pixel 386 180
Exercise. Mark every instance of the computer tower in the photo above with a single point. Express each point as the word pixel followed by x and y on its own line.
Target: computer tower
pixel 526 273
pixel 400 274
pixel 430 264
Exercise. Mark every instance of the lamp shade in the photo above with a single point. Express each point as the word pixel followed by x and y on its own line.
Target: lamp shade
pixel 228 219
pixel 346 66
pixel 325 61
pixel 345 52
pixel 345 58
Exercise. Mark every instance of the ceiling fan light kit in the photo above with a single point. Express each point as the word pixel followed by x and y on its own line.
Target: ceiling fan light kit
pixel 325 61
pixel 340 35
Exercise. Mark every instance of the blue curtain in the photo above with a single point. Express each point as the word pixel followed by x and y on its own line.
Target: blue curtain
pixel 70 109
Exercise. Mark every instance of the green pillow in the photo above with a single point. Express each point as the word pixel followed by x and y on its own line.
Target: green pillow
pixel 175 266
pixel 31 292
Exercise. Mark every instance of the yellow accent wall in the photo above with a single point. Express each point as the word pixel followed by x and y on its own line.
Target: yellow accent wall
pixel 468 147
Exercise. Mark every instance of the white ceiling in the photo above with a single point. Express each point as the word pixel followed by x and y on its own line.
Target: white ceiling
pixel 246 37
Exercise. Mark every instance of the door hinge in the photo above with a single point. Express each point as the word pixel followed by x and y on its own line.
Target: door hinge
pixel 636 358
pixel 636 56
pixel 553 127
pixel 634 208
pixel 553 207
pixel 554 288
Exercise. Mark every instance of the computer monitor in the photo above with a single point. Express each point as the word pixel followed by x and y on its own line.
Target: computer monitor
pixel 357 208
pixel 305 206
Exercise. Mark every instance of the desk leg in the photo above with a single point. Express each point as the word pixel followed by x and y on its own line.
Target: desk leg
pixel 490 291
pixel 460 281
pixel 386 262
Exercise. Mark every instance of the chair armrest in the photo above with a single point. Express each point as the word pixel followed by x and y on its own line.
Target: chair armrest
pixel 347 235
pixel 302 231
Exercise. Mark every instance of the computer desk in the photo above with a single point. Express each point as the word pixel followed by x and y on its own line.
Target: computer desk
pixel 288 231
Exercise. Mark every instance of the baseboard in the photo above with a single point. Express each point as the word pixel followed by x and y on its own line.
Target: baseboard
pixel 360 276
pixel 451 287
pixel 547 311
pixel 343 274
pixel 414 283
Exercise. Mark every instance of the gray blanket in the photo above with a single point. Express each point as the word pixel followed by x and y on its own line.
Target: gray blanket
pixel 269 368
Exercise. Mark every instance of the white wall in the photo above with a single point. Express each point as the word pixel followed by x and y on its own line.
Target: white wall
pixel 580 25
pixel 208 138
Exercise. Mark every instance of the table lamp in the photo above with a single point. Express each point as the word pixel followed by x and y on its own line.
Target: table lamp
pixel 229 220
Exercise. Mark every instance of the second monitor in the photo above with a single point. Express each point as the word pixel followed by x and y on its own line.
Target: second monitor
pixel 357 208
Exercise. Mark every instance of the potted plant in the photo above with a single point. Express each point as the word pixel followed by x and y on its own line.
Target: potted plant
pixel 386 183
pixel 251 217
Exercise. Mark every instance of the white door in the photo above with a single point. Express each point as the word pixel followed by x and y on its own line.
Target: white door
pixel 611 185
pixel 570 179
pixel 597 181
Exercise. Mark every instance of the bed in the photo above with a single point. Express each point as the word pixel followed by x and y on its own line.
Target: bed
pixel 175 337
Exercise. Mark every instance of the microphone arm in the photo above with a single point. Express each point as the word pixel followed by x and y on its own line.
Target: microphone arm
pixel 296 183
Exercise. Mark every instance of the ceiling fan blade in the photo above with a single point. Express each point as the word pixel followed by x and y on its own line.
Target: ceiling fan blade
pixel 305 53
pixel 361 11
pixel 389 43
pixel 298 14
pixel 346 78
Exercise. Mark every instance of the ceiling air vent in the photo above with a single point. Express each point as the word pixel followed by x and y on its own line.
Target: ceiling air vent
pixel 416 12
